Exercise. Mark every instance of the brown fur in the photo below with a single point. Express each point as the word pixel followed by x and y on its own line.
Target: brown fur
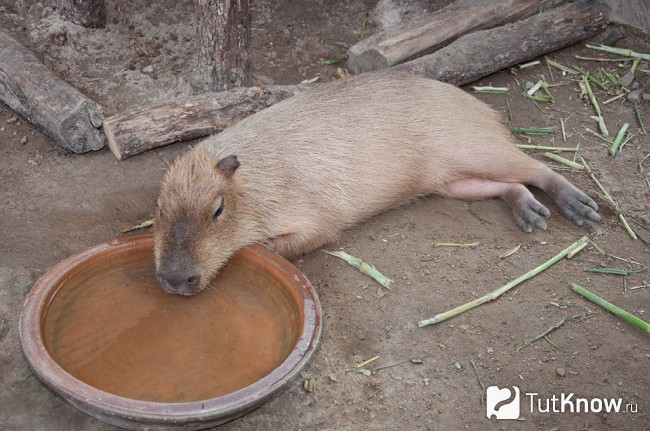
pixel 325 160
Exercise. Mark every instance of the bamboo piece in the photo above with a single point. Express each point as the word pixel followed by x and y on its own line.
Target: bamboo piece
pixel 618 140
pixel 363 267
pixel 608 198
pixel 503 289
pixel 628 317
pixel 564 161
pixel 546 148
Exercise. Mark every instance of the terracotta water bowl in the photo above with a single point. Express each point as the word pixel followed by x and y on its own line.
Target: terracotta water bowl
pixel 100 332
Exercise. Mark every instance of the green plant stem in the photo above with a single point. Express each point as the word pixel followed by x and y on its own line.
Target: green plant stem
pixel 546 148
pixel 550 329
pixel 617 141
pixel 608 198
pixel 628 317
pixel 453 244
pixel 503 289
pixel 363 267
pixel 533 131
pixel 564 161
pixel 620 51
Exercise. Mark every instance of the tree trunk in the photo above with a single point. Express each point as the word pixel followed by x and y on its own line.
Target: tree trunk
pixel 224 45
pixel 89 13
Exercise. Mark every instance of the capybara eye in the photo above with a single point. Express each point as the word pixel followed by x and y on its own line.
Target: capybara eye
pixel 219 210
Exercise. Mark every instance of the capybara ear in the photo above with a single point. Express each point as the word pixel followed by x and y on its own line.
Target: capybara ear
pixel 228 165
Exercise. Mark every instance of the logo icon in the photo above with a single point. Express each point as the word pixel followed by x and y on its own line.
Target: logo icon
pixel 502 403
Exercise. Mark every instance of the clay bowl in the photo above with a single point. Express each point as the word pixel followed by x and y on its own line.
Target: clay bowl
pixel 100 332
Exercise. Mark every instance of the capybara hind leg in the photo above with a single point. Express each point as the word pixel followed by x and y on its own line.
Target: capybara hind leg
pixel 528 211
pixel 573 203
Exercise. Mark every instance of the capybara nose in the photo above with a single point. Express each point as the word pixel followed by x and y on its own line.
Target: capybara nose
pixel 179 283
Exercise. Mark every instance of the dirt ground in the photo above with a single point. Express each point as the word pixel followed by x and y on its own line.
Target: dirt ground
pixel 55 204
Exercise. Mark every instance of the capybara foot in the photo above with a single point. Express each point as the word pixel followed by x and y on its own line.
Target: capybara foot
pixel 529 212
pixel 574 204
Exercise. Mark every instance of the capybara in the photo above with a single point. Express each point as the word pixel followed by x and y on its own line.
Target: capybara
pixel 296 174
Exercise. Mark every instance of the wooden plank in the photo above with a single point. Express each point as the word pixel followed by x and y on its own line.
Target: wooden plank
pixel 152 127
pixel 481 53
pixel 432 31
pixel 55 107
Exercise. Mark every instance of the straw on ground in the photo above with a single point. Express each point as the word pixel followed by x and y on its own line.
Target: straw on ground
pixel 145 224
pixel 503 289
pixel 362 266
pixel 550 329
pixel 608 198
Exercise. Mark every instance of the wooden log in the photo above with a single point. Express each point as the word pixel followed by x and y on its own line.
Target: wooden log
pixel 432 31
pixel 89 13
pixel 481 53
pixel 224 40
pixel 138 131
pixel 52 105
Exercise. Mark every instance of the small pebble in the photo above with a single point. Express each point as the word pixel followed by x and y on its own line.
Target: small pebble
pixel 23 141
pixel 417 361
pixel 612 38
pixel 560 372
pixel 458 366
pixel 627 79
pixel 148 69
pixel 333 378
pixel 13 119
pixel 635 96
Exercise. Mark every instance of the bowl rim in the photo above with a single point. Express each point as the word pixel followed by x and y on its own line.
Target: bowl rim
pixel 78 392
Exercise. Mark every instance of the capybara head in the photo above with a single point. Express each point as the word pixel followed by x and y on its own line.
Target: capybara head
pixel 196 225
